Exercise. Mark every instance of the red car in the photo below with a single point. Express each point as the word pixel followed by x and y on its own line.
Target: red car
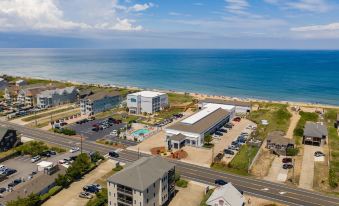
pixel 287 160
pixel 237 119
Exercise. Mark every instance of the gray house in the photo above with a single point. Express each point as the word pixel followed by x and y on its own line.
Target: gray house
pixel 99 102
pixel 278 143
pixel 315 133
pixel 8 139
pixel 149 181
pixel 50 98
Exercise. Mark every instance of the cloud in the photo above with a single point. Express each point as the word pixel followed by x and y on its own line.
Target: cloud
pixel 140 7
pixel 236 5
pixel 51 15
pixel 317 6
pixel 198 4
pixel 324 27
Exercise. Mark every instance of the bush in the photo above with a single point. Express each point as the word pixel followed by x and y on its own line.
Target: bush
pixel 292 151
pixel 96 156
pixel 30 200
pixel 65 131
pixel 181 183
pixel 54 190
pixel 118 168
pixel 63 180
pixel 100 199
pixel 32 148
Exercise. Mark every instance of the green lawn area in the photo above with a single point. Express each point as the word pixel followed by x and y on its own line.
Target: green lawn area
pixel 299 129
pixel 277 115
pixel 46 114
pixel 206 196
pixel 7 153
pixel 331 116
pixel 175 98
pixel 167 113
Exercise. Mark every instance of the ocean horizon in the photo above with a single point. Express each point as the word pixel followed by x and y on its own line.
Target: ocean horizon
pixel 282 75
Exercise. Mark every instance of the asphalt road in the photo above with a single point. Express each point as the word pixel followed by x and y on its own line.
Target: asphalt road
pixel 259 188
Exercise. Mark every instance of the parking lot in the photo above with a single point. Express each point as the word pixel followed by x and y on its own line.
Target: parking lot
pixel 25 167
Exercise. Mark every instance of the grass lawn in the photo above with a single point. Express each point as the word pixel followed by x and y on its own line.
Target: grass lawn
pixel 175 98
pixel 167 113
pixel 46 114
pixel 206 196
pixel 46 121
pixel 277 115
pixel 7 153
pixel 299 129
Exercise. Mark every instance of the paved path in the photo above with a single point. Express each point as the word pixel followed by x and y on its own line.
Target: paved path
pixel 276 172
pixel 260 188
pixel 70 196
pixel 294 121
pixel 307 167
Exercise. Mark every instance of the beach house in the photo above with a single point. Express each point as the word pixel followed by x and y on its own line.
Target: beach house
pixel 278 143
pixel 50 98
pixel 146 102
pixel 28 96
pixel 193 129
pixel 315 133
pixel 149 181
pixel 99 102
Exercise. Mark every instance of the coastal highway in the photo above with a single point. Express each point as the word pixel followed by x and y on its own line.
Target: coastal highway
pixel 260 188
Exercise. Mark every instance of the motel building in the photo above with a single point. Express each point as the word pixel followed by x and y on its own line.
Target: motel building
pixel 192 130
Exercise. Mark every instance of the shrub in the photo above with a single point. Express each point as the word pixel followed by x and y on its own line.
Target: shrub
pixel 100 199
pixel 181 183
pixel 292 151
pixel 54 190
pixel 118 168
pixel 32 148
pixel 30 200
pixel 65 131
pixel 96 156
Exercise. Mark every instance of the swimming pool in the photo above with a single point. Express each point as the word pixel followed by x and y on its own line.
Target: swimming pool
pixel 140 132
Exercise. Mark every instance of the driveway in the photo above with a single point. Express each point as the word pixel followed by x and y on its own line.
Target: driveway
pixel 276 172
pixel 307 167
pixel 70 196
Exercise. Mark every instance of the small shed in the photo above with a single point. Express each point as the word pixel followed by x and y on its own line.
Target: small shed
pixel 44 165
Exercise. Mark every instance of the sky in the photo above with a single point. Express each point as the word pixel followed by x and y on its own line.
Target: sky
pixel 232 24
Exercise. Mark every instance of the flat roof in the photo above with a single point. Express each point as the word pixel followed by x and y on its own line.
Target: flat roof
pixel 202 124
pixel 148 94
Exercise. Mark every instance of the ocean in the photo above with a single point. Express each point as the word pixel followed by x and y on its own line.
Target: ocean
pixel 291 75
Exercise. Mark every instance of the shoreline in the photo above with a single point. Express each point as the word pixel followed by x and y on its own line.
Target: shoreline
pixel 196 95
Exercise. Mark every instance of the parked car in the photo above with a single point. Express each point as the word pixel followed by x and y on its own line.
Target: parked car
pixel 90 188
pixel 86 195
pixel 2 190
pixel 35 159
pixel 14 183
pixel 237 119
pixel 287 166
pixel 45 154
pixel 319 154
pixel 220 182
pixel 219 156
pixel 228 151
pixel 97 186
pixel 74 149
pixel 113 154
pixel 287 160
pixel 232 147
pixel 9 172
pixel 218 133
pixel 114 133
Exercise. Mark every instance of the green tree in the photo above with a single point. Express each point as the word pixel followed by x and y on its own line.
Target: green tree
pixel 208 139
pixel 30 200
pixel 96 156
pixel 63 180
pixel 32 148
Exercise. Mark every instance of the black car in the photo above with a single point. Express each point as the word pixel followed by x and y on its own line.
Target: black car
pixel 91 189
pixel 2 190
pixel 220 182
pixel 14 183
pixel 9 172
pixel 228 151
pixel 45 154
pixel 113 154
pixel 287 166
pixel 218 133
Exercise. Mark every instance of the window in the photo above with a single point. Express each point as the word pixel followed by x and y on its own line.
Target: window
pixel 147 201
pixel 147 190
pixel 154 185
pixel 133 100
pixel 153 194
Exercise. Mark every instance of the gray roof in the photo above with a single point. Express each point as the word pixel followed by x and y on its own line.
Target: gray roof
pixel 227 102
pixel 50 93
pixel 142 173
pixel 3 131
pixel 101 95
pixel 228 193
pixel 179 137
pixel 278 138
pixel 203 124
pixel 313 129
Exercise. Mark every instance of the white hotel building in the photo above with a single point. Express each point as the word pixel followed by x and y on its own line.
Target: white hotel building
pixel 192 130
pixel 146 101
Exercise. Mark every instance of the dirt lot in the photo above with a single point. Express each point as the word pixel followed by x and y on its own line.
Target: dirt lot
pixel 190 196
pixel 263 163
pixel 69 196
